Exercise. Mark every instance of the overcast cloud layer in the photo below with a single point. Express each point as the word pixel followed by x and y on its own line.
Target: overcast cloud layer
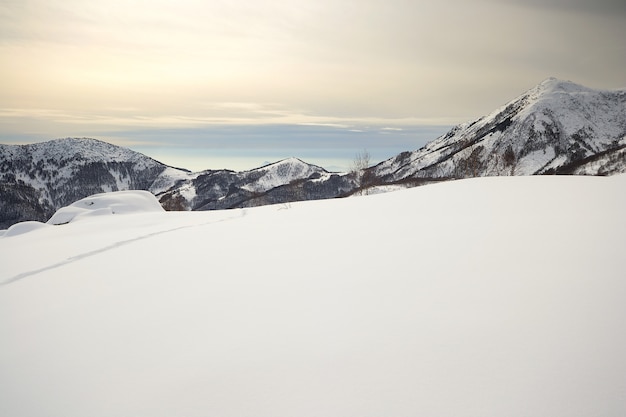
pixel 112 69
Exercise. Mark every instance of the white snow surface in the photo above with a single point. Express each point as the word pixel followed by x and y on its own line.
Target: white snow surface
pixel 119 202
pixel 486 297
pixel 22 227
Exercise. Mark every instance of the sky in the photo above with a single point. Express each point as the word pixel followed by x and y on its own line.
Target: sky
pixel 234 84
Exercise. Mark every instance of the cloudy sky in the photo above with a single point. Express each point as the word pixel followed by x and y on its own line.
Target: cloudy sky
pixel 235 83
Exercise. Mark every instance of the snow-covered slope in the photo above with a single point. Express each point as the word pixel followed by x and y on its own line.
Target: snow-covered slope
pixel 480 297
pixel 37 179
pixel 280 173
pixel 556 127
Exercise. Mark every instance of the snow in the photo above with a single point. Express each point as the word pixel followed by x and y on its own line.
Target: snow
pixel 85 149
pixel 327 175
pixel 576 108
pixel 536 160
pixel 120 202
pixel 483 297
pixel 22 227
pixel 169 177
pixel 379 189
pixel 122 180
pixel 188 191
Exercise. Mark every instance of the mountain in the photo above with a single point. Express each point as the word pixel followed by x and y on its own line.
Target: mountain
pixel 283 181
pixel 37 179
pixel 558 127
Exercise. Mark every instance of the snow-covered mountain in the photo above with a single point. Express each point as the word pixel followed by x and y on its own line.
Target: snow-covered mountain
pixel 397 304
pixel 283 181
pixel 37 179
pixel 557 127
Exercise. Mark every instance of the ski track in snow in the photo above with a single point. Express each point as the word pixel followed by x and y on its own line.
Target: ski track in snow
pixel 110 247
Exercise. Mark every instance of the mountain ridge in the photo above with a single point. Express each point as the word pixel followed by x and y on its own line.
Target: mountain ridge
pixel 556 127
pixel 37 179
pixel 555 124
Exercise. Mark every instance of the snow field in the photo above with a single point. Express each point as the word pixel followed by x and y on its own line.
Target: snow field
pixel 486 297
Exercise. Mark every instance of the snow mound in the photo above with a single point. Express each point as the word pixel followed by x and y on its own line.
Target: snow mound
pixel 119 202
pixel 21 228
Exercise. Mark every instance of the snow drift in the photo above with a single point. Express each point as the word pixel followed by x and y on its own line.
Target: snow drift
pixel 483 297
pixel 119 202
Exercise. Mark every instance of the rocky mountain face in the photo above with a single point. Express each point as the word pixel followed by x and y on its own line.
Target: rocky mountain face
pixel 557 127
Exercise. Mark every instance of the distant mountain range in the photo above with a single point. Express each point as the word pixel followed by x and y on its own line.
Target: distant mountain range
pixel 558 127
pixel 38 179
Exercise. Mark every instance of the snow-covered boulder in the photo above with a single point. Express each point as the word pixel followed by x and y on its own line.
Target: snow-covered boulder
pixel 119 202
pixel 21 228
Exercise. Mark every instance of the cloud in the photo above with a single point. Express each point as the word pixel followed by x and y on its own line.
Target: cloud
pixel 79 66
pixel 53 122
pixel 246 147
pixel 606 7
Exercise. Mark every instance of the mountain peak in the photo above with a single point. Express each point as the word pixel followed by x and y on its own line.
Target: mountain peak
pixel 552 82
pixel 554 85
pixel 556 127
pixel 292 162
pixel 86 149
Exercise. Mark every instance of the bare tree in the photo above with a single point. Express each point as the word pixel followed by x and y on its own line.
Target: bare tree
pixel 359 166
